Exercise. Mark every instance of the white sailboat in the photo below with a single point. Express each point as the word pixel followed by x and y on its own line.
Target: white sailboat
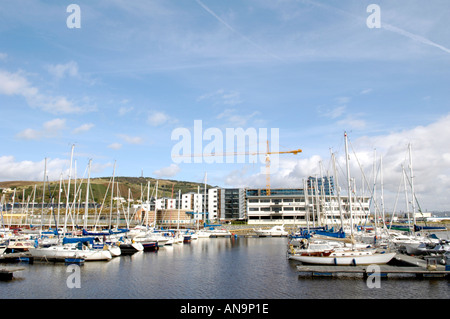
pixel 62 252
pixel 275 231
pixel 345 257
pixel 341 256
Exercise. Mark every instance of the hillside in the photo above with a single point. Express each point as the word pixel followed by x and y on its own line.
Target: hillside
pixel 99 187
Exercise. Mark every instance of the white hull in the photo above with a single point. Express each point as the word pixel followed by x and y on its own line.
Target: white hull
pixel 220 233
pixel 98 255
pixel 57 252
pixel 203 234
pixel 276 231
pixel 268 233
pixel 69 251
pixel 115 251
pixel 346 260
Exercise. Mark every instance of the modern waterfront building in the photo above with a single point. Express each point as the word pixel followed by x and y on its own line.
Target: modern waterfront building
pixel 232 204
pixel 305 205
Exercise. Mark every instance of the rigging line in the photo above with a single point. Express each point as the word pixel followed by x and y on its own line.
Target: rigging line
pixel 365 179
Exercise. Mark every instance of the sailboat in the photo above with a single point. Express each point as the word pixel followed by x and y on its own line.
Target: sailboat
pixel 275 231
pixel 342 256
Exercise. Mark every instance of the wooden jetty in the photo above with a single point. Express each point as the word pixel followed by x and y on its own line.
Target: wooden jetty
pixel 6 273
pixel 412 266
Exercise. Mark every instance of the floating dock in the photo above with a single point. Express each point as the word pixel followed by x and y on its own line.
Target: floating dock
pixel 411 266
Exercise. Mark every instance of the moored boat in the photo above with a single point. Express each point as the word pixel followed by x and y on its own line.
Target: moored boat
pixel 346 257
pixel 275 231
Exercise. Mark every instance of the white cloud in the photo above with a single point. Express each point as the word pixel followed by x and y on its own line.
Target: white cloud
pixel 430 156
pixel 49 129
pixel 124 110
pixel 18 84
pixel 335 112
pixel 222 96
pixel 366 91
pixel 169 171
pixel 11 170
pixel 29 134
pixel 62 70
pixel 131 139
pixel 158 118
pixel 83 128
pixel 3 56
pixel 235 118
pixel 115 146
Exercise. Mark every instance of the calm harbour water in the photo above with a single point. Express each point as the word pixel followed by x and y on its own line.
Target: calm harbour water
pixel 216 268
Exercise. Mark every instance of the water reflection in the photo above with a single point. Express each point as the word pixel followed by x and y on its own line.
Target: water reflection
pixel 218 268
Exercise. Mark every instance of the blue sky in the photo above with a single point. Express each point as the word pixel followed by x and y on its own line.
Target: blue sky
pixel 137 70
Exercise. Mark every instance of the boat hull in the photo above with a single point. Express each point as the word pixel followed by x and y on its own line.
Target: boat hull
pixel 345 260
pixel 128 249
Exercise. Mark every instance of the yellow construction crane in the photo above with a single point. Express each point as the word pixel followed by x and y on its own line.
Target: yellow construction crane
pixel 267 153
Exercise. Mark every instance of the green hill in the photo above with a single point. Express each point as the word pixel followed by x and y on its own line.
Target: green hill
pixel 100 189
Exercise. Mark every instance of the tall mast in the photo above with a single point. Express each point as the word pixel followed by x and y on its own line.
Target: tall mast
pixel 406 197
pixel 43 191
pixel 59 198
pixel 86 204
pixel 156 198
pixel 128 208
pixel 349 184
pixel 112 196
pixel 413 200
pixel 382 191
pixel 337 187
pixel 68 189
pixel 204 201
pixel 179 207
pixel 147 211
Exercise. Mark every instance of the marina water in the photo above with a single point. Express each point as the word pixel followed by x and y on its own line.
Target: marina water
pixel 214 268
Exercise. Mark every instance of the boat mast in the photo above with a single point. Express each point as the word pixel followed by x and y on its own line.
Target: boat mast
pixel 147 211
pixel 406 198
pixel 349 184
pixel 199 205
pixel 43 191
pixel 156 199
pixel 383 212
pixel 112 196
pixel 179 207
pixel 412 187
pixel 338 190
pixel 86 206
pixel 305 190
pixel 374 199
pixel 204 201
pixel 68 190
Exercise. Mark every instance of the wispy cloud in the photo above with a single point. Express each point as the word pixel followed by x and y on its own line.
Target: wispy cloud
pixel 131 139
pixel 254 44
pixel 13 170
pixel 18 84
pixel 62 70
pixel 412 36
pixel 83 128
pixel 158 118
pixel 169 171
pixel 384 25
pixel 124 110
pixel 235 118
pixel 222 96
pixel 49 129
pixel 115 146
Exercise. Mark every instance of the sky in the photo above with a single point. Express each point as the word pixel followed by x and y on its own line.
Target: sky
pixel 127 82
